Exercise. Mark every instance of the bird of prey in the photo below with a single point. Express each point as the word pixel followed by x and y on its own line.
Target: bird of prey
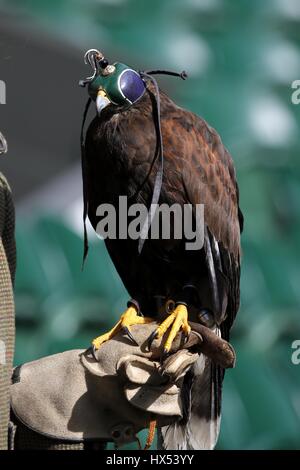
pixel 143 146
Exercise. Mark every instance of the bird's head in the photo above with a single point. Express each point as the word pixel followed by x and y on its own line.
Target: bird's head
pixel 115 85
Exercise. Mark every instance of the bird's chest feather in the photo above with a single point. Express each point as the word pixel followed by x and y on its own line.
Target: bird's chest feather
pixel 123 152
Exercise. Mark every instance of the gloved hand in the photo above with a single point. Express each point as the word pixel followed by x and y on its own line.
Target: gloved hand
pixel 110 396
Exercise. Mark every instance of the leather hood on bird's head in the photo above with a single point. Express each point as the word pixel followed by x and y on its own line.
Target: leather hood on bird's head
pixel 122 86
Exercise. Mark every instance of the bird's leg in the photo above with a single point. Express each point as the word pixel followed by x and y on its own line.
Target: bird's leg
pixel 128 318
pixel 177 320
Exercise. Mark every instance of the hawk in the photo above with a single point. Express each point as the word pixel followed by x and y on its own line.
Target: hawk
pixel 143 146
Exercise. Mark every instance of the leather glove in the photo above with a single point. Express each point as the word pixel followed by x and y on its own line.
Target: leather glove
pixel 110 395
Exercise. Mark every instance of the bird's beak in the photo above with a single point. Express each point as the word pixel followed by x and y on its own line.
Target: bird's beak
pixel 102 101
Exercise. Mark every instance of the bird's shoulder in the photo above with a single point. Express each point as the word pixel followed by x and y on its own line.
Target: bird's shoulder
pixel 201 165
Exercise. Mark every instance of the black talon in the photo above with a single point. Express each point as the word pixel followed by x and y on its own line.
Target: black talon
pixel 127 332
pixel 164 356
pixel 152 337
pixel 93 351
pixel 186 337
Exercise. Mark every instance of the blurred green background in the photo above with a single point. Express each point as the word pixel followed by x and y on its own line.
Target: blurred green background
pixel 241 58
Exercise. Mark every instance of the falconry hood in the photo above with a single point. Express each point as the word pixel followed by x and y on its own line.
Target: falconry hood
pixel 117 84
pixel 112 84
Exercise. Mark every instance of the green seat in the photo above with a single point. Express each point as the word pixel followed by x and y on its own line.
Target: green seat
pixel 256 411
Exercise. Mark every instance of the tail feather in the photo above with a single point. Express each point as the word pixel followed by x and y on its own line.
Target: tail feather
pixel 201 397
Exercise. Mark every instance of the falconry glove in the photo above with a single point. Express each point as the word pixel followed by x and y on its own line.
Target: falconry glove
pixel 112 394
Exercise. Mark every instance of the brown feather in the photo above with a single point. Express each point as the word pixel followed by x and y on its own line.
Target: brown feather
pixel 120 151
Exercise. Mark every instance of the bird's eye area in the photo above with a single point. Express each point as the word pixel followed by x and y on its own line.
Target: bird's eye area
pixel 131 85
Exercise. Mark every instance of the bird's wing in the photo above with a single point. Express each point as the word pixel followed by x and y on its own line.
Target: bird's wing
pixel 201 170
pixel 206 172
pixel 207 177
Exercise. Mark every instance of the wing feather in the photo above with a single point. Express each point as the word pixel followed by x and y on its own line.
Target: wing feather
pixel 208 177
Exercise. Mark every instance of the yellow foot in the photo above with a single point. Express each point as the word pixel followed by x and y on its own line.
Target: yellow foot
pixel 129 317
pixel 179 320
